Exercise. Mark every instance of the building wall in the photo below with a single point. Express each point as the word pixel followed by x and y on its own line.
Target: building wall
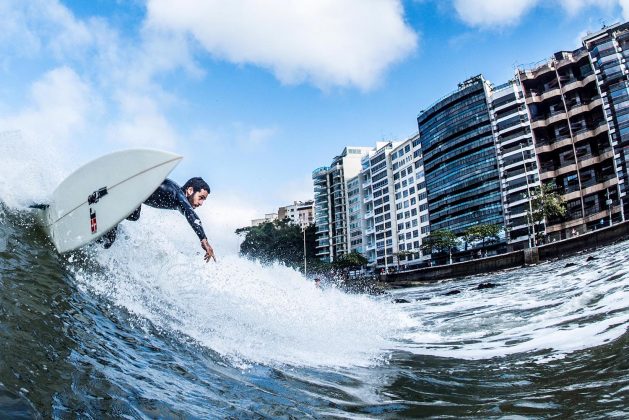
pixel 269 217
pixel 608 51
pixel 300 213
pixel 331 209
pixel 517 161
pixel 460 163
pixel 411 203
pixel 571 137
pixel 378 197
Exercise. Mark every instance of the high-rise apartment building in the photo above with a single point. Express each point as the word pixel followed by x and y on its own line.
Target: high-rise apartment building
pixel 517 161
pixel 377 176
pixel 571 137
pixel 331 202
pixel 482 151
pixel 609 50
pixel 411 204
pixel 460 163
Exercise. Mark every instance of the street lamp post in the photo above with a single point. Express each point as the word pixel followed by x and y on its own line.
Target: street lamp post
pixel 305 263
pixel 386 264
pixel 529 219
pixel 609 205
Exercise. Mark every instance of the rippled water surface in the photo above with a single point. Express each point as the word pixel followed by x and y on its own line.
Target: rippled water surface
pixel 148 330
pixel 157 333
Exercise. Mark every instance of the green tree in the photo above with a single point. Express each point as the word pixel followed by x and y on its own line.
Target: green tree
pixel 442 240
pixel 545 203
pixel 402 255
pixel 482 232
pixel 353 259
pixel 281 241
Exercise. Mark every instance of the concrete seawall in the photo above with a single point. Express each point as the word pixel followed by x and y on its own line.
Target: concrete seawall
pixel 586 242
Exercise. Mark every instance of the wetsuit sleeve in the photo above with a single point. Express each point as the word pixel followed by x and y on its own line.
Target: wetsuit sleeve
pixel 186 209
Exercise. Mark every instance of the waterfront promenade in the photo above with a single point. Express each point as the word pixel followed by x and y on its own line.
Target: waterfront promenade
pixel 582 243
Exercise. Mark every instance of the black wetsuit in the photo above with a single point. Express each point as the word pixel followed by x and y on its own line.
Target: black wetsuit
pixel 170 196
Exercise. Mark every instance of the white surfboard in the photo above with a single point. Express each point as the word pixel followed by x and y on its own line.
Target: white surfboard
pixel 100 194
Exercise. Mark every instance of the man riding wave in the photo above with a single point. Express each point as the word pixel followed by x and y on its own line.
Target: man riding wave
pixel 171 196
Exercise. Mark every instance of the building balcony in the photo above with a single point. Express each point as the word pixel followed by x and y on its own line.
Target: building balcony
pixel 585 107
pixel 541 97
pixel 579 83
pixel 560 171
pixel 589 133
pixel 549 147
pixel 602 186
pixel 505 141
pixel 595 159
pixel 581 220
pixel 546 121
pixel 534 73
pixel 569 58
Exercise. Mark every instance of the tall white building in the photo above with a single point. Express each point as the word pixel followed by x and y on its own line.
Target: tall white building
pixel 380 212
pixel 331 202
pixel 380 237
pixel 411 204
pixel 517 161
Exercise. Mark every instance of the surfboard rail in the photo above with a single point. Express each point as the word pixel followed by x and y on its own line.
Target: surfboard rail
pixel 102 193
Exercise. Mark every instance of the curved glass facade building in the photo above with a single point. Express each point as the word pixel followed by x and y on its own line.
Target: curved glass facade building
pixel 460 163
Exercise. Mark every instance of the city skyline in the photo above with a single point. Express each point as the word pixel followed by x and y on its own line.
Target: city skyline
pixel 251 109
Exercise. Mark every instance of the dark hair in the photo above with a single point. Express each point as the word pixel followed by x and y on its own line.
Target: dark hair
pixel 197 184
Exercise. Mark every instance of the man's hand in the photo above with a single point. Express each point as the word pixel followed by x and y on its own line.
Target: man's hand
pixel 209 252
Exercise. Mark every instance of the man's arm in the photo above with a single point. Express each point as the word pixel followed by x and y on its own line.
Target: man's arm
pixel 195 223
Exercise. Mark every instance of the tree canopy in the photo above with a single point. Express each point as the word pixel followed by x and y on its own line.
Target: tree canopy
pixel 353 259
pixel 482 232
pixel 279 241
pixel 442 240
pixel 546 203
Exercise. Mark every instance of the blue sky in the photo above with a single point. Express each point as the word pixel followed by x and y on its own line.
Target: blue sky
pixel 257 93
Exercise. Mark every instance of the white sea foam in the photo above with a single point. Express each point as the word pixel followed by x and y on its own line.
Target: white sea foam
pixel 251 313
pixel 30 169
pixel 244 311
pixel 547 308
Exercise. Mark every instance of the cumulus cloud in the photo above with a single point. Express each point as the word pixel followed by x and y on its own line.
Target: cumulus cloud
pixel 624 5
pixel 101 74
pixel 142 124
pixel 492 12
pixel 325 42
pixel 500 13
pixel 255 137
pixel 58 107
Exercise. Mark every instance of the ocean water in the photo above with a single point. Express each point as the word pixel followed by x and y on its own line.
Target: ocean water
pixel 148 330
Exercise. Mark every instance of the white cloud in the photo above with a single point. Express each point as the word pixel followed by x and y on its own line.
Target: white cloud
pixel 256 137
pixel 624 5
pixel 325 42
pixel 492 12
pixel 142 124
pixel 59 107
pixel 501 13
pixel 101 74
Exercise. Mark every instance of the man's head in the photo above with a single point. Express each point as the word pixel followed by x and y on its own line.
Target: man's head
pixel 196 191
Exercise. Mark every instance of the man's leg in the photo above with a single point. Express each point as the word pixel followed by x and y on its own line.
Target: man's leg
pixel 135 215
pixel 109 238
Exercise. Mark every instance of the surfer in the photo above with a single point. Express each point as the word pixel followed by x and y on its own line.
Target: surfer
pixel 171 196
